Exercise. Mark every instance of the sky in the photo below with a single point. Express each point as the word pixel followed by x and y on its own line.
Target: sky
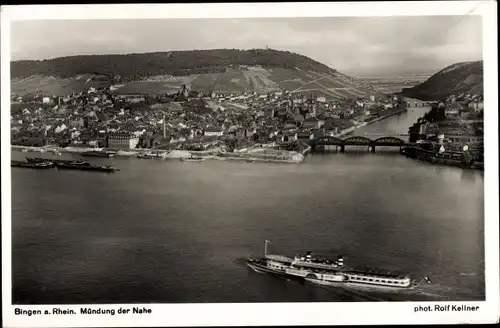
pixel 362 46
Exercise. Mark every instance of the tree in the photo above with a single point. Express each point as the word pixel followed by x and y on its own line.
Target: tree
pixel 414 132
pixel 231 144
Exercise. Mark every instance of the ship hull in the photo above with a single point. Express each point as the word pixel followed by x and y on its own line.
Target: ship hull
pixel 97 154
pixel 55 161
pixel 324 282
pixel 192 160
pixel 378 286
pixel 85 168
pixel 147 157
pixel 355 284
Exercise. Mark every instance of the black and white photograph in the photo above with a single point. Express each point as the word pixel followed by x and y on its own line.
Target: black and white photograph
pixel 231 156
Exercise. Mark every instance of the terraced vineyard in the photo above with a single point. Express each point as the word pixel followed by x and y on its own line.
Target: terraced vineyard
pixel 338 86
pixel 148 87
pixel 220 71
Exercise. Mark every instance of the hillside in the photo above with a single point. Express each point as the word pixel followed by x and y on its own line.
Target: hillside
pixel 178 63
pixel 223 70
pixel 458 78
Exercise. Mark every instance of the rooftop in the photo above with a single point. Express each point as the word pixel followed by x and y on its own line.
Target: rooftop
pixel 213 129
pixel 121 135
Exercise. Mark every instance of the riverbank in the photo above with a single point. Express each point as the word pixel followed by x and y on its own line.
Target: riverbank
pixel 363 124
pixel 380 118
pixel 252 155
pixel 80 150
pixel 265 155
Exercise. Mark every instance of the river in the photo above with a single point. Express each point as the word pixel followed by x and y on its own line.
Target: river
pixel 175 232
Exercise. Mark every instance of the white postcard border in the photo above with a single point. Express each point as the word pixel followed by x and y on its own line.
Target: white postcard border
pixel 257 314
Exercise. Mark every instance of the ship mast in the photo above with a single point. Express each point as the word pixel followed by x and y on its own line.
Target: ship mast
pixel 265 247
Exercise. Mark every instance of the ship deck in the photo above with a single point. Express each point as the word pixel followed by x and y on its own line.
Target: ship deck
pixel 374 272
pixel 279 258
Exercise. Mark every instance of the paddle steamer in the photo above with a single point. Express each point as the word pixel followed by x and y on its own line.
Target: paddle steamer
pixel 327 272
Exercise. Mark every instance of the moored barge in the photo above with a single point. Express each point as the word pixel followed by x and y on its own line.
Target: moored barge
pixel 452 158
pixel 193 159
pixel 55 161
pixel 86 167
pixel 149 156
pixel 98 153
pixel 40 165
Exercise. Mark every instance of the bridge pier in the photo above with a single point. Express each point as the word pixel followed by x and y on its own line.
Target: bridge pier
pixel 342 148
pixel 372 148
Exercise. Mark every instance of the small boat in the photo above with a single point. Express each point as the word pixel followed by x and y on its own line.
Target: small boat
pixel 193 159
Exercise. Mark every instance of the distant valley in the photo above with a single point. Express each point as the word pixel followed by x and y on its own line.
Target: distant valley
pixel 395 83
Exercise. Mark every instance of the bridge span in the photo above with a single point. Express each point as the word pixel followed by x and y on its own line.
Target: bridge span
pixel 371 143
pixel 382 134
pixel 418 103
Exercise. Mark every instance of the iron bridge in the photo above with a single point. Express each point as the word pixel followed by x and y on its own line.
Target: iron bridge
pixel 385 141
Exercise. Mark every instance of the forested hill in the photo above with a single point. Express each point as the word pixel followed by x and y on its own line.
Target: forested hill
pixel 466 77
pixel 178 63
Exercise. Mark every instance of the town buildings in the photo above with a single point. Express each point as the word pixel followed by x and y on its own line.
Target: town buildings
pixel 123 141
pixel 191 120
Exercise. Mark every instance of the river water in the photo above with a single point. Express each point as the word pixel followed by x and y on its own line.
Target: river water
pixel 175 232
